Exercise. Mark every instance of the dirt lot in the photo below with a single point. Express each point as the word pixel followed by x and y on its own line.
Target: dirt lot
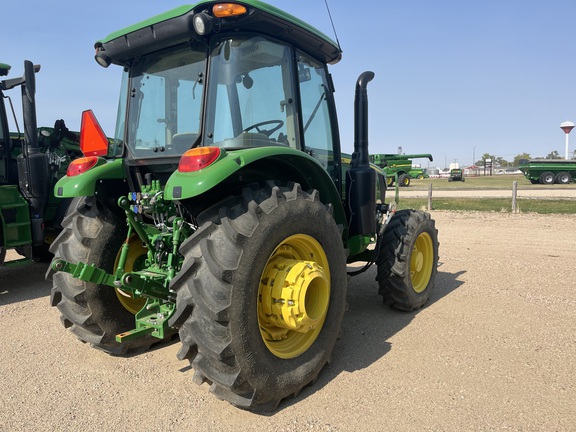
pixel 495 349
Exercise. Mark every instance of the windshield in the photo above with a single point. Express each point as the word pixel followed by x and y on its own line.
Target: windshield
pixel 165 101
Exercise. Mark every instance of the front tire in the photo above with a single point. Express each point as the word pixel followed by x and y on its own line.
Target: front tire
pixel 408 259
pixel 404 180
pixel 95 314
pixel 265 279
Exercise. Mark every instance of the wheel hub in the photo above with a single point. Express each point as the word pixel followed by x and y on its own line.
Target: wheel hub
pixel 134 261
pixel 421 262
pixel 294 296
pixel 417 261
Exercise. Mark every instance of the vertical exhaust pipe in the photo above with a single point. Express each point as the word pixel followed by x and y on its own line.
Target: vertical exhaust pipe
pixel 361 120
pixel 33 166
pixel 360 178
pixel 29 107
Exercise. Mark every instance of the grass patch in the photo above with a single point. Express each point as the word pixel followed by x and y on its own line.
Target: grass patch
pixel 503 205
pixel 483 182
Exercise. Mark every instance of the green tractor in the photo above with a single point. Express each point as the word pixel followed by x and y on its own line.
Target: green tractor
pixel 224 211
pixel 30 165
pixel 456 174
pixel 419 173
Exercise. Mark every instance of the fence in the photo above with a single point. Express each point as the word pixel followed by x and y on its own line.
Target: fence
pixel 515 208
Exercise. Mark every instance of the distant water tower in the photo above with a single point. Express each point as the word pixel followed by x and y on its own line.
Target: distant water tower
pixel 567 127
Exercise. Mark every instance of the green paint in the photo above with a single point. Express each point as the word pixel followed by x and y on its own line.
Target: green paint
pixel 85 184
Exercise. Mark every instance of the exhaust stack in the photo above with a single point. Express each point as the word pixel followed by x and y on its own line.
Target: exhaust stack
pixel 33 166
pixel 360 178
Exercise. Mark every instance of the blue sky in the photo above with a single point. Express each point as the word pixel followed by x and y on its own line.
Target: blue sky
pixel 453 78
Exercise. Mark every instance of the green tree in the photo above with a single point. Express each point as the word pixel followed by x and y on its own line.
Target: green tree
pixel 485 156
pixel 554 155
pixel 517 158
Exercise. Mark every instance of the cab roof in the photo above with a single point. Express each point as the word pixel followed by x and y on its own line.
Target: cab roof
pixel 175 26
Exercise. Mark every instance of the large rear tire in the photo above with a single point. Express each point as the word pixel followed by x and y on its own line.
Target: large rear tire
pixel 95 314
pixel 407 260
pixel 265 280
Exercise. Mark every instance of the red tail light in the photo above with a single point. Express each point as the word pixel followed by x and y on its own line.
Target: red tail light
pixel 93 141
pixel 81 165
pixel 197 158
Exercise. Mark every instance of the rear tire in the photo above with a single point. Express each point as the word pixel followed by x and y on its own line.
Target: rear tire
pixel 226 281
pixel 95 314
pixel 547 178
pixel 563 178
pixel 408 260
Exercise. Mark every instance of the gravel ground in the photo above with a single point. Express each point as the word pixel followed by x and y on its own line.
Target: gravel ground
pixel 494 349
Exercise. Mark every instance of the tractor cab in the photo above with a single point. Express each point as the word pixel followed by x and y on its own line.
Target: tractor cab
pixel 252 87
pixel 249 85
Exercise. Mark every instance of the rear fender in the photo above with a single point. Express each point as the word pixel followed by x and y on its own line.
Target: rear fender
pixel 85 184
pixel 240 167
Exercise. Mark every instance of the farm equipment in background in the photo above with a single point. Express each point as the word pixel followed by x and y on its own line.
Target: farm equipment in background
pixel 548 171
pixel 30 165
pixel 224 209
pixel 397 167
pixel 419 173
pixel 456 174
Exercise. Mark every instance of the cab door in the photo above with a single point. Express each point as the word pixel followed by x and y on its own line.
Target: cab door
pixel 319 123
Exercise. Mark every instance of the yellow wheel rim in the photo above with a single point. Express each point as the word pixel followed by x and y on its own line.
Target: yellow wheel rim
pixel 293 296
pixel 422 262
pixel 134 261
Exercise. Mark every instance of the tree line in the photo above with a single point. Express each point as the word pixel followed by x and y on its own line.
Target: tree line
pixel 500 161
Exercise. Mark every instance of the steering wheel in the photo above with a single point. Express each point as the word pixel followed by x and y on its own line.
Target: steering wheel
pixel 279 124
